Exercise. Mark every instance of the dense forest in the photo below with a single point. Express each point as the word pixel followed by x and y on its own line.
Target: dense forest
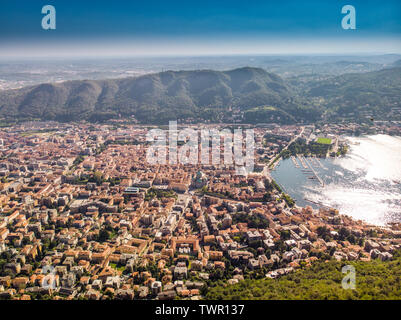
pixel 322 281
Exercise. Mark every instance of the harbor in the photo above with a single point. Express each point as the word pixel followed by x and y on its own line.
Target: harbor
pixel 308 167
pixel 364 184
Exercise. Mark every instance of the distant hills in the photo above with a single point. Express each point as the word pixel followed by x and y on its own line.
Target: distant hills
pixel 252 94
pixel 397 63
pixel 151 98
pixel 374 93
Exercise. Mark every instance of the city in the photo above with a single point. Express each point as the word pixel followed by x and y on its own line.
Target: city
pixel 187 159
pixel 85 216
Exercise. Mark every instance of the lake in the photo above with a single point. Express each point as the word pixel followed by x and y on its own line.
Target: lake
pixel 365 184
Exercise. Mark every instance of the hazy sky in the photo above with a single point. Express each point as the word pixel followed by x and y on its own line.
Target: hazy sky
pixel 118 27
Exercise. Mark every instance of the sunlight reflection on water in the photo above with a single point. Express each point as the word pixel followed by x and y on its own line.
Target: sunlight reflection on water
pixel 366 184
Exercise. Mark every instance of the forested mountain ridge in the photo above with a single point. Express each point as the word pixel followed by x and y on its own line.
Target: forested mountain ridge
pixel 150 98
pixel 253 94
pixel 373 93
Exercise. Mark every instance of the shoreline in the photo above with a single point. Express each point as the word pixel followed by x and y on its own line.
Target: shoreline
pixel 315 203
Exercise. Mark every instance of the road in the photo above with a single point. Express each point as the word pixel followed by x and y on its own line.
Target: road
pixel 265 172
pixel 286 147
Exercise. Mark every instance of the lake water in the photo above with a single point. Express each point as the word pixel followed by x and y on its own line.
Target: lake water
pixel 365 184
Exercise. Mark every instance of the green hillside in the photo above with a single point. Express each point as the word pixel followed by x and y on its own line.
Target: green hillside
pixel 153 98
pixel 322 281
pixel 250 95
pixel 359 95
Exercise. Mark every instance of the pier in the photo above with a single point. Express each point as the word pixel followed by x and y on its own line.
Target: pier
pixel 318 203
pixel 318 161
pixel 315 173
pixel 308 168
pixel 294 161
pixel 302 162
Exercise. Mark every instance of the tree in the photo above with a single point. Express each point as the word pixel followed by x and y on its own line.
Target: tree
pixel 104 235
pixel 285 235
pixel 97 177
pixel 218 274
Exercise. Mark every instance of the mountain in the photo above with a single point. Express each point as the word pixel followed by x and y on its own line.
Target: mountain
pixel 375 94
pixel 153 98
pixel 247 94
pixel 397 63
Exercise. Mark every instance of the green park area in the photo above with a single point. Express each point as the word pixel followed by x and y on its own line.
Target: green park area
pixel 324 140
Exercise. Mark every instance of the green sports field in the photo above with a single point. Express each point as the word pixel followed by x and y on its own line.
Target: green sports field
pixel 324 140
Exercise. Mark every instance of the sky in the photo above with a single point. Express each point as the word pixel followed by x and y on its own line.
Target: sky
pixel 172 27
